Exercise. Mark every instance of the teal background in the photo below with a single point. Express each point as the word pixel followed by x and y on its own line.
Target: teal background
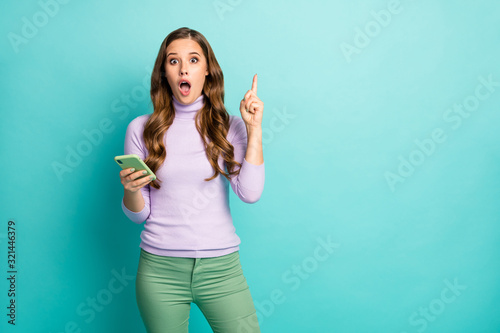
pixel 351 120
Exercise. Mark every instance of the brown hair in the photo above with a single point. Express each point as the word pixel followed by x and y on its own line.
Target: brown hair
pixel 212 121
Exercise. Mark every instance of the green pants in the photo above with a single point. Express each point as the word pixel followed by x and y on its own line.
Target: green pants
pixel 166 287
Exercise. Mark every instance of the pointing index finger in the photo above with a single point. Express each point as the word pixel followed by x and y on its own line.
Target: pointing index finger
pixel 254 84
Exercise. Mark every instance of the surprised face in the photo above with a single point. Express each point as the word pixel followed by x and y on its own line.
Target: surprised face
pixel 185 69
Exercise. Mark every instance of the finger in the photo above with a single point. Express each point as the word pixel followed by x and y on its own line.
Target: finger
pixel 144 181
pixel 244 103
pixel 248 94
pixel 251 107
pixel 133 184
pixel 138 174
pixel 130 178
pixel 254 107
pixel 254 84
pixel 250 101
pixel 125 172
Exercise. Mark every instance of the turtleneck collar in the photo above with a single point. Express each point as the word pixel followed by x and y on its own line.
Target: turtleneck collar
pixel 188 111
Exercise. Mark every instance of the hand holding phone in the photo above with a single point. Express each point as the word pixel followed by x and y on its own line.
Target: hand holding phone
pixel 134 180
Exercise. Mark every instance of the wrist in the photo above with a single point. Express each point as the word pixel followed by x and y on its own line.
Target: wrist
pixel 132 194
pixel 254 129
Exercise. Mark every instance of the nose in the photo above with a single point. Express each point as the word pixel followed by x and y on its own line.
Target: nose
pixel 183 69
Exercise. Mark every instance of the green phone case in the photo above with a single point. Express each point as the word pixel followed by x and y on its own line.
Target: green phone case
pixel 134 161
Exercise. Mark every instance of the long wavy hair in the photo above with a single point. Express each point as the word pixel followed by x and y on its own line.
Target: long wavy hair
pixel 212 122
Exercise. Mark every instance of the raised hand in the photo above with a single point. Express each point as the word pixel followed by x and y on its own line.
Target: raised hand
pixel 251 107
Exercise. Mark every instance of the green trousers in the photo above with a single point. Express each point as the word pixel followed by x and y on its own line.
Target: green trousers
pixel 166 287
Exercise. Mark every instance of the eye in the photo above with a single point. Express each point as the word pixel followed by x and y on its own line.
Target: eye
pixel 195 59
pixel 172 60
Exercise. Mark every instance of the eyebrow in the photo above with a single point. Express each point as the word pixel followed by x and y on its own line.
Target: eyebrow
pixel 189 53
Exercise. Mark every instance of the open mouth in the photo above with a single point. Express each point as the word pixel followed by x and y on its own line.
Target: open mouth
pixel 185 87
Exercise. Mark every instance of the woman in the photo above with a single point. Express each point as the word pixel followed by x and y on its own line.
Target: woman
pixel 189 248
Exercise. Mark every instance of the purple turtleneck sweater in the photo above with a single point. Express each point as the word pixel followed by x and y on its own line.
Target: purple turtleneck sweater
pixel 187 216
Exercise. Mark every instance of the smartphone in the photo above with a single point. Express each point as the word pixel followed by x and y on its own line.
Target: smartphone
pixel 134 161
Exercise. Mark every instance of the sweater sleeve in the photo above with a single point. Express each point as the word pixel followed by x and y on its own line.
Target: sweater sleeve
pixel 134 144
pixel 248 185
